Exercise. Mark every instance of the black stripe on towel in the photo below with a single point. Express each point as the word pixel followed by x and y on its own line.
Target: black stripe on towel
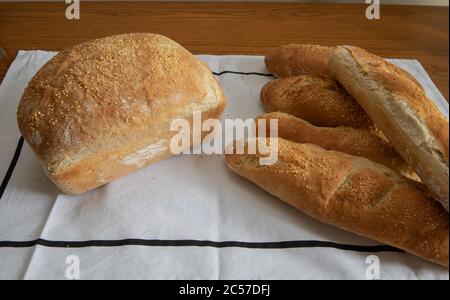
pixel 242 73
pixel 196 243
pixel 12 165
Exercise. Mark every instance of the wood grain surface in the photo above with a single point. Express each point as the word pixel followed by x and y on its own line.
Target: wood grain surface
pixel 235 28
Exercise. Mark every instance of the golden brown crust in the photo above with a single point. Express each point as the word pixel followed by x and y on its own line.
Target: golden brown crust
pixel 354 194
pixel 410 120
pixel 96 103
pixel 317 99
pixel 393 79
pixel 298 59
pixel 357 142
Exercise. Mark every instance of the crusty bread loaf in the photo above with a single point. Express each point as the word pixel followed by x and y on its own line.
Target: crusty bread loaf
pixel 358 142
pixel 354 194
pixel 401 110
pixel 319 100
pixel 298 59
pixel 102 109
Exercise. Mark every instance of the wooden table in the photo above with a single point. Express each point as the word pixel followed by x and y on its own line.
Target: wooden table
pixel 235 28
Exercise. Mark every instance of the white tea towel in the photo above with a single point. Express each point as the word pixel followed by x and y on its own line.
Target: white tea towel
pixel 187 217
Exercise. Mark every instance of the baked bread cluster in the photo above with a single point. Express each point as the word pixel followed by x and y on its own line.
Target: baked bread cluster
pixel 361 147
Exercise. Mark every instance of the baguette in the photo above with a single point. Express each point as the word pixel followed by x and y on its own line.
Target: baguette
pixel 102 109
pixel 408 118
pixel 354 194
pixel 319 100
pixel 297 59
pixel 358 142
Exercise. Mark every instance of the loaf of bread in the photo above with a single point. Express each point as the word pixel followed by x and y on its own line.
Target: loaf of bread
pixel 354 194
pixel 319 100
pixel 358 142
pixel 401 110
pixel 298 59
pixel 102 109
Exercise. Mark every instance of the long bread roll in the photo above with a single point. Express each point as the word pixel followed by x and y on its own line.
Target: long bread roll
pixel 317 99
pixel 358 142
pixel 354 194
pixel 401 110
pixel 305 59
pixel 298 59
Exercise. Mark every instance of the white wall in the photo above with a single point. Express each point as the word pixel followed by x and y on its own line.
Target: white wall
pixel 407 2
